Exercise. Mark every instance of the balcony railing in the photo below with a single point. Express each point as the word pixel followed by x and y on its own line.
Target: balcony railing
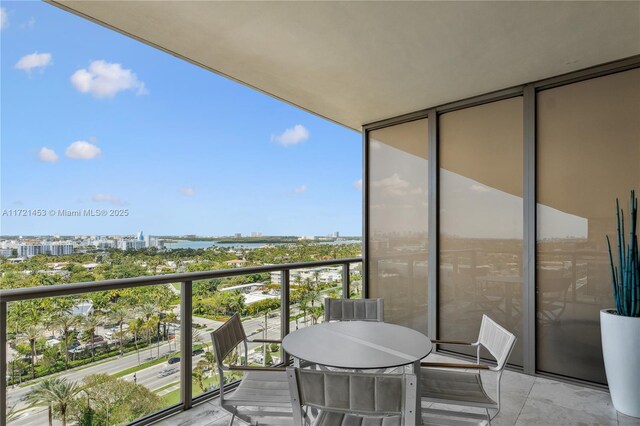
pixel 186 281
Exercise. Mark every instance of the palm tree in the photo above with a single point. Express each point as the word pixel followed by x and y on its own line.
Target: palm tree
pixel 31 334
pixel 210 357
pixel 119 314
pixel 12 414
pixel 136 326
pixel 92 322
pixel 150 326
pixel 56 394
pixel 66 323
pixel 198 373
pixel 170 318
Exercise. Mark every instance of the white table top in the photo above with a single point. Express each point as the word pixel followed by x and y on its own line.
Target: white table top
pixel 357 344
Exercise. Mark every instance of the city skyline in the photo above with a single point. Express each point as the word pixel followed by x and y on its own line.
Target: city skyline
pixel 93 120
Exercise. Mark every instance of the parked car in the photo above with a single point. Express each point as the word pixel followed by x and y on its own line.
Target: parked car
pixel 197 352
pixel 173 360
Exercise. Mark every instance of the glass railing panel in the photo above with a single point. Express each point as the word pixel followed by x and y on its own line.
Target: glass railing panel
pixel 308 289
pixel 102 352
pixel 256 298
pixel 355 280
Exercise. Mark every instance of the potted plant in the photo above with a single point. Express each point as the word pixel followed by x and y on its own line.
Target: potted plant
pixel 620 327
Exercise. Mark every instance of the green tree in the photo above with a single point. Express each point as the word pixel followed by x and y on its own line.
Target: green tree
pixel 199 372
pixel 210 357
pixel 119 314
pixel 15 368
pixel 31 333
pixel 56 394
pixel 91 323
pixel 66 323
pixel 136 326
pixel 112 401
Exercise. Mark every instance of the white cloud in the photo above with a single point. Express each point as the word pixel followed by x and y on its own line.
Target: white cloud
pixel 479 188
pixel 358 184
pixel 4 18
pixel 392 185
pixel 107 198
pixel 300 190
pixel 187 191
pixel 293 136
pixel 47 155
pixel 35 60
pixel 30 24
pixel 105 80
pixel 82 150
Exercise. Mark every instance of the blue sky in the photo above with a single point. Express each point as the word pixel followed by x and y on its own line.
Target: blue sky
pixel 91 119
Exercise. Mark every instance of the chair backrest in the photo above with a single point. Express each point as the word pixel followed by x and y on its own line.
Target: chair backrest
pixel 227 337
pixel 353 393
pixel 353 309
pixel 497 340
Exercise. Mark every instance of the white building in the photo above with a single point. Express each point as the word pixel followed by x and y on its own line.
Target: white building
pixel 51 249
pixel 150 241
pixel 130 244
pixel 57 249
pixel 324 275
pixel 5 252
pixel 29 250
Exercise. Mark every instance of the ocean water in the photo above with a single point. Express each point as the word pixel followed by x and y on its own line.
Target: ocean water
pixel 196 244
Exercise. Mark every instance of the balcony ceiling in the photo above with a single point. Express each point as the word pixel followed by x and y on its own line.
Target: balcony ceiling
pixel 359 62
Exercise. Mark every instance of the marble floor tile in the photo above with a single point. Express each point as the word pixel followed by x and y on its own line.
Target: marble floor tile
pixel 525 401
pixel 589 401
pixel 628 421
pixel 537 413
pixel 200 415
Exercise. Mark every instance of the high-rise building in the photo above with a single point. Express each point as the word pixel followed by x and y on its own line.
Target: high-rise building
pixel 29 250
pixel 51 249
pixel 130 244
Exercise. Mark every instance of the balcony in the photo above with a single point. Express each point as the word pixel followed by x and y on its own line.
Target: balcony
pixel 496 139
pixel 527 399
pixel 162 344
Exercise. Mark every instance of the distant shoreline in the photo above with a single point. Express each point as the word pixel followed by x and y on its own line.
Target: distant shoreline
pixel 257 240
pixel 222 240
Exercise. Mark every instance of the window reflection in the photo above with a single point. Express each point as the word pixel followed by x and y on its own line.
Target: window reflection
pixel 398 222
pixel 481 220
pixel 588 154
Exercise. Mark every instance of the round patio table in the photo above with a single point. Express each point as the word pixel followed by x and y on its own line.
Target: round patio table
pixel 357 345
pixel 360 345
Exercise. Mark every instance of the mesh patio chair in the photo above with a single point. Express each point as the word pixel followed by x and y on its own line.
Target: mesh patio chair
pixel 347 398
pixel 260 386
pixel 462 387
pixel 353 310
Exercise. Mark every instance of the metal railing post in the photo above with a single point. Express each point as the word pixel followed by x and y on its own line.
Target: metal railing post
pixel 186 336
pixel 186 316
pixel 3 363
pixel 346 291
pixel 285 315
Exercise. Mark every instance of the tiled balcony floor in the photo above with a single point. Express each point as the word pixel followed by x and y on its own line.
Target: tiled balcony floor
pixel 526 401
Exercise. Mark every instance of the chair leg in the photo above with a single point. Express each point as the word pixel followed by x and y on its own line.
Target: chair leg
pixel 488 416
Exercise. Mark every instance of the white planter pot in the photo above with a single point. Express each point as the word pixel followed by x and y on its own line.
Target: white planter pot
pixel 621 350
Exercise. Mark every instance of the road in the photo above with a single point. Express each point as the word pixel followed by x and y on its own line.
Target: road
pixel 149 377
